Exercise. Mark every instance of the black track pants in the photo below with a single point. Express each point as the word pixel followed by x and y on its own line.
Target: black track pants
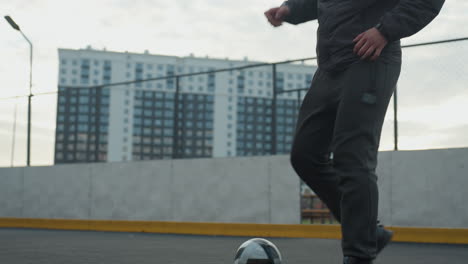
pixel 343 114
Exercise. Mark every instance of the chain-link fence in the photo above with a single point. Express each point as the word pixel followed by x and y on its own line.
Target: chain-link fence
pixel 182 122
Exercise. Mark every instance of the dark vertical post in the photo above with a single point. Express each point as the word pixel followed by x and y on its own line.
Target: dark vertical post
pixel 16 27
pixel 29 99
pixel 273 113
pixel 28 159
pixel 298 99
pixel 175 141
pixel 395 119
pixel 97 123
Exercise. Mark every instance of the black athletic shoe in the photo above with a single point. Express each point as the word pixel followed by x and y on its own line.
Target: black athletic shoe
pixel 354 260
pixel 384 236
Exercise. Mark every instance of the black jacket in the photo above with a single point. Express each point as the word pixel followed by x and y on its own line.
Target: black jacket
pixel 340 21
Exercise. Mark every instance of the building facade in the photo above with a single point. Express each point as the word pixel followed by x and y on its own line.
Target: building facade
pixel 108 112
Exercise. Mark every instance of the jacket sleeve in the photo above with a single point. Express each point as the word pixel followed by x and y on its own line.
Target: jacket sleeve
pixel 301 11
pixel 408 17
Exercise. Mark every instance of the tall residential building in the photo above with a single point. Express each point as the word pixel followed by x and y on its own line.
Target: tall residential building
pixel 215 115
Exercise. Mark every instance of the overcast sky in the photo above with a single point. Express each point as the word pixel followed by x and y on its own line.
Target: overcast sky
pixel 433 92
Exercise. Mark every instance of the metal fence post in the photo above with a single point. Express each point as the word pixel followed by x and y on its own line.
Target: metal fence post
pixel 395 119
pixel 175 141
pixel 273 113
pixel 298 99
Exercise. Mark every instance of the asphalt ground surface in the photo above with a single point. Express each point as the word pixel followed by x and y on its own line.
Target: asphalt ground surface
pixel 24 246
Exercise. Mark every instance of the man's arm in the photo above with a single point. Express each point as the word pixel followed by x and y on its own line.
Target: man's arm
pixel 301 11
pixel 408 17
pixel 404 20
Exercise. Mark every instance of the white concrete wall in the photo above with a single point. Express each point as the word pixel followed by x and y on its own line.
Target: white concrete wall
pixel 250 190
pixel 425 188
pixel 417 188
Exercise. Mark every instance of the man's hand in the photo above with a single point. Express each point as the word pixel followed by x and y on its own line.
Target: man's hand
pixel 276 15
pixel 369 43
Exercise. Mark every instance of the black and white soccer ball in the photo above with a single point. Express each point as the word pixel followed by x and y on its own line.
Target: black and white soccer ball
pixel 258 251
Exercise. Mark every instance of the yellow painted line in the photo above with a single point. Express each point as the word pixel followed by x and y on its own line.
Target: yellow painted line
pixel 430 235
pixel 402 234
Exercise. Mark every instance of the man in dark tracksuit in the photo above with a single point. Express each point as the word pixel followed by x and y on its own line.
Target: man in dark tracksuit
pixel 359 59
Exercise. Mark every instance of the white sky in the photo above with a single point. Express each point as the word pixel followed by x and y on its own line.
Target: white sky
pixel 433 92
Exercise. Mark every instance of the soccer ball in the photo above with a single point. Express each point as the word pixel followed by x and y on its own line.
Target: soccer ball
pixel 258 251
